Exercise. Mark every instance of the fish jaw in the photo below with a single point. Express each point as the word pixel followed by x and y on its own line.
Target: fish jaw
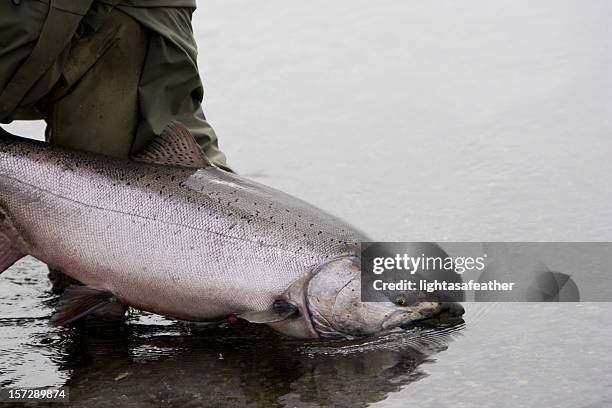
pixel 409 315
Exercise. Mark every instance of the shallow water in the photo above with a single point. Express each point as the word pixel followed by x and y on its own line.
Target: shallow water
pixel 434 121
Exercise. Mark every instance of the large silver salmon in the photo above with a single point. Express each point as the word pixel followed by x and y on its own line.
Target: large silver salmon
pixel 172 234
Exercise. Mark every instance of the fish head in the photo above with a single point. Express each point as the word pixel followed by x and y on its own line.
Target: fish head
pixel 326 303
pixel 336 310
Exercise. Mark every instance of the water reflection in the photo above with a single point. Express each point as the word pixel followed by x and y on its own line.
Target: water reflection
pixel 179 365
pixel 150 361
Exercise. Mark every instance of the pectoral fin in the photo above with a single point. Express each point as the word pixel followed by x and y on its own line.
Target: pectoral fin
pixel 79 301
pixel 280 310
pixel 12 247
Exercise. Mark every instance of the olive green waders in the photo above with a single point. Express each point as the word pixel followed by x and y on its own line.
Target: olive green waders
pixel 107 76
pixel 114 47
pixel 94 106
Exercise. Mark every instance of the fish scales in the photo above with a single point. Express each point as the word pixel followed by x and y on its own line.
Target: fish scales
pixel 226 244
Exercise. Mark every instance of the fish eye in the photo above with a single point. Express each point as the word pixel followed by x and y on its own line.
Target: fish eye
pixel 400 301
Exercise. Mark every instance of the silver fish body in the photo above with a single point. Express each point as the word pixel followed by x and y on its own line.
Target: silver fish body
pixel 195 244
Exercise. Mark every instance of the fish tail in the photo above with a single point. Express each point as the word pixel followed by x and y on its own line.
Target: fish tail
pixel 12 247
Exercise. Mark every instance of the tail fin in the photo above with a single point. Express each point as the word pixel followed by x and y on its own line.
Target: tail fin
pixel 12 247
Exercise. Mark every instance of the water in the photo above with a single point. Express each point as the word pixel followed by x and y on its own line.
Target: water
pixel 430 121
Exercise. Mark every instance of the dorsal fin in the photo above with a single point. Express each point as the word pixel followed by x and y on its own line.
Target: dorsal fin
pixel 176 146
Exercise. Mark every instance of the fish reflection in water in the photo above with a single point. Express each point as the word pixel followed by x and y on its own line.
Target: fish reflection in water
pixel 150 361
pixel 144 365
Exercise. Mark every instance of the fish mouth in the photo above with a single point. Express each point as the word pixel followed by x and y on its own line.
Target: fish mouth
pixel 450 314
